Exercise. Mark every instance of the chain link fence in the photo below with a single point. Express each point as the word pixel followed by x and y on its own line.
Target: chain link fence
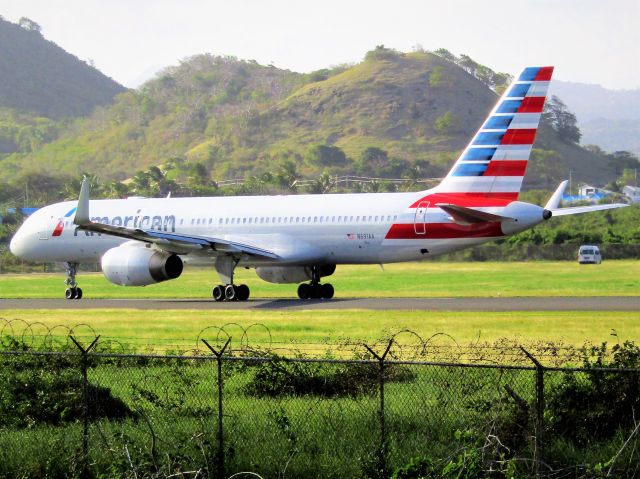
pixel 93 414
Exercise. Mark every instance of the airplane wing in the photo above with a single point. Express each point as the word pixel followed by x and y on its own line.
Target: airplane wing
pixel 466 216
pixel 172 242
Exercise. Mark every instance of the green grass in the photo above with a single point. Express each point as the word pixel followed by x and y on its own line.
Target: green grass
pixel 428 279
pixel 311 329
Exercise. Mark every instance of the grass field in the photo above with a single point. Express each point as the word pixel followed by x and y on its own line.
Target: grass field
pixel 179 329
pixel 429 279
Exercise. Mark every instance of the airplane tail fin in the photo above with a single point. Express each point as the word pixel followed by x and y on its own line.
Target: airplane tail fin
pixel 495 161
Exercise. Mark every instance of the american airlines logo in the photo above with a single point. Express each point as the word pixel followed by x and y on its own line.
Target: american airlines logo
pixel 137 221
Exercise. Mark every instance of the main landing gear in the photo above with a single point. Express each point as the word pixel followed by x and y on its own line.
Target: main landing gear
pixel 72 291
pixel 315 290
pixel 225 266
pixel 231 292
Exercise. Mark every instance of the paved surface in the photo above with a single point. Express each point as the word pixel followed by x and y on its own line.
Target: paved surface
pixel 603 303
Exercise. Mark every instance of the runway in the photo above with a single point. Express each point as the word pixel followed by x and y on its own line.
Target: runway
pixel 601 303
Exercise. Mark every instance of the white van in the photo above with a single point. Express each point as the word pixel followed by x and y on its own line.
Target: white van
pixel 589 254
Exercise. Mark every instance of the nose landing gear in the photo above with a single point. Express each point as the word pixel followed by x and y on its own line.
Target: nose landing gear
pixel 72 291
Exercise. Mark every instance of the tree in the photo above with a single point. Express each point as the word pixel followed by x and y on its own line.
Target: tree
pixel 446 54
pixel 381 53
pixel 439 78
pixel 29 25
pixel 372 161
pixel 324 155
pixel 447 123
pixel 563 122
pixel 468 64
pixel 621 160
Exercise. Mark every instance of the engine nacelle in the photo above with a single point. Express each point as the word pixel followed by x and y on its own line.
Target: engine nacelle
pixel 291 274
pixel 133 264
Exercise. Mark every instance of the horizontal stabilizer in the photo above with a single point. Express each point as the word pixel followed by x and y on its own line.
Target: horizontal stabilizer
pixel 576 210
pixel 466 216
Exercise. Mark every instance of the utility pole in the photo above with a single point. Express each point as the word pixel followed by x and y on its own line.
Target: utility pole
pixel 570 183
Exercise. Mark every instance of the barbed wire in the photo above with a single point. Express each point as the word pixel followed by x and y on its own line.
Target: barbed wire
pixel 256 339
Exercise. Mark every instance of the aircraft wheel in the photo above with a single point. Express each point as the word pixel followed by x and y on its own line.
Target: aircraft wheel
pixel 316 291
pixel 242 292
pixel 327 291
pixel 218 293
pixel 230 292
pixel 70 293
pixel 78 293
pixel 304 291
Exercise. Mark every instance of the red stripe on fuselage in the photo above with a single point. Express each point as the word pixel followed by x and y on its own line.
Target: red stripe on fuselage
pixel 445 231
pixel 471 199
pixel 519 137
pixel 532 104
pixel 506 168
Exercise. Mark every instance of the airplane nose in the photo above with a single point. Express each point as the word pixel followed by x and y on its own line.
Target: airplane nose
pixel 16 246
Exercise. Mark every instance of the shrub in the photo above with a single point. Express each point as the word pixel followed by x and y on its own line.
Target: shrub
pixel 41 390
pixel 281 377
pixel 598 404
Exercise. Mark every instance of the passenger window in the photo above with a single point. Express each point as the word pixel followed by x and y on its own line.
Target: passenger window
pixel 267 220
pixel 315 219
pixel 376 219
pixel 244 220
pixel 249 220
pixel 369 219
pixel 395 217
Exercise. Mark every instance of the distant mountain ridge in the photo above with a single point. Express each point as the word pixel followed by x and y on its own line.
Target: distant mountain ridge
pixel 39 77
pixel 591 102
pixel 607 118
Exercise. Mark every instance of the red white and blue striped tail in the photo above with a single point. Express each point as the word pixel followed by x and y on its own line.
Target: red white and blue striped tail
pixel 494 163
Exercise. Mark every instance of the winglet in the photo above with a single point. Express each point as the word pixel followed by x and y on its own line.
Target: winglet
pixel 82 211
pixel 554 201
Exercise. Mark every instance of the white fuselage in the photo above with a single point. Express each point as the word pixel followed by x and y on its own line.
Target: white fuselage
pixel 300 229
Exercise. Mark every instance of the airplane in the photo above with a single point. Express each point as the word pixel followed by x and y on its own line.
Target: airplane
pixel 302 238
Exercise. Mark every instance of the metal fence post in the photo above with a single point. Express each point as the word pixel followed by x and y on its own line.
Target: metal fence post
pixel 85 403
pixel 539 437
pixel 220 455
pixel 383 435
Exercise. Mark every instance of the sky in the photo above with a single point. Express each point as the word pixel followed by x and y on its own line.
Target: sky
pixel 588 41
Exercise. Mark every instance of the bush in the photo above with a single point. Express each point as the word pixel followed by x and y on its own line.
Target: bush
pixel 41 390
pixel 598 404
pixel 281 377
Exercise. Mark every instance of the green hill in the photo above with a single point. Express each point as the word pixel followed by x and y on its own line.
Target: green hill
pixel 391 115
pixel 40 77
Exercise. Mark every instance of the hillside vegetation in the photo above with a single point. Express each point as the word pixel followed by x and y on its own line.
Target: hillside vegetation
pixel 392 115
pixel 41 78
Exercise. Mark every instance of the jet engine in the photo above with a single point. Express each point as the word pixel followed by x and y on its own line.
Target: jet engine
pixel 291 274
pixel 135 264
